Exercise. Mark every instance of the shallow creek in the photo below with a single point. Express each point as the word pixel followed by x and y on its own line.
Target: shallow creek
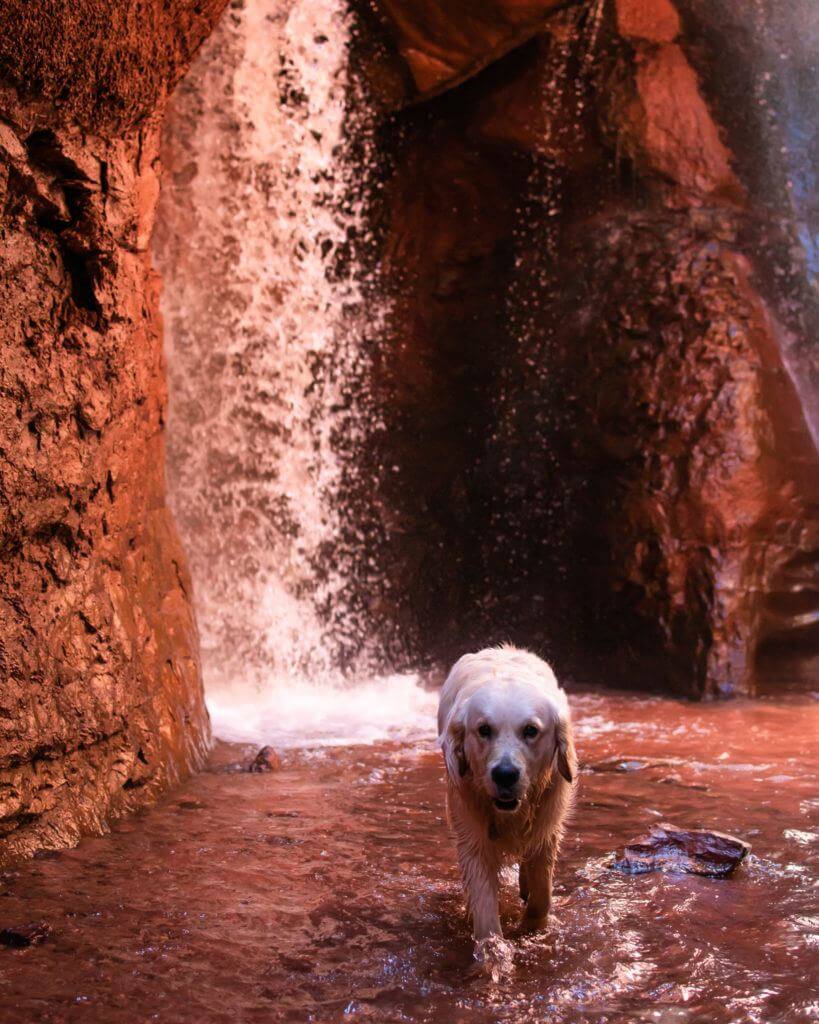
pixel 328 890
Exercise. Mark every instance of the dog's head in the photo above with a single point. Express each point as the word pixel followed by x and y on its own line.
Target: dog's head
pixel 506 740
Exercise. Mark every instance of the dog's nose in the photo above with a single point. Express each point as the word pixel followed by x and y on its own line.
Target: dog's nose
pixel 505 775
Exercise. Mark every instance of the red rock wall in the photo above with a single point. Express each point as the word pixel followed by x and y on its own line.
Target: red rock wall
pixel 101 702
pixel 444 44
pixel 595 302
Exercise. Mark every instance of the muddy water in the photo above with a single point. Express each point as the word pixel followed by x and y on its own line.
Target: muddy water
pixel 328 892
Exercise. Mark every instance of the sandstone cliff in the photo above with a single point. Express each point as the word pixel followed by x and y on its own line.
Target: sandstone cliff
pixel 101 702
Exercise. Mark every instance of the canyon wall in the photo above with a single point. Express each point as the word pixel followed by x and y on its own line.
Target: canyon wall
pixel 601 392
pixel 101 703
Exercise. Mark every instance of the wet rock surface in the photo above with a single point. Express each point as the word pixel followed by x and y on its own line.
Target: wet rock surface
pixel 669 848
pixel 267 760
pixel 23 936
pixel 101 702
pixel 598 400
pixel 584 427
pixel 329 890
pixel 443 44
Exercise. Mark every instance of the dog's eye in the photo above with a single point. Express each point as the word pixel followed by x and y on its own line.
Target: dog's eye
pixel 530 731
pixel 485 731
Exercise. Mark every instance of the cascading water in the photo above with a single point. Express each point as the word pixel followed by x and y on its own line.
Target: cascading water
pixel 771 56
pixel 787 88
pixel 264 317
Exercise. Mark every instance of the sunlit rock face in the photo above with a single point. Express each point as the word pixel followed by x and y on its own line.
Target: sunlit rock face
pixel 100 693
pixel 602 320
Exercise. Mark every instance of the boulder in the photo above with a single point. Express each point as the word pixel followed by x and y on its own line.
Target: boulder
pixel 672 849
pixel 267 760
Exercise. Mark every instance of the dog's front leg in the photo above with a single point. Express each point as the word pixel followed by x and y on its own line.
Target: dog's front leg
pixel 538 870
pixel 523 882
pixel 479 869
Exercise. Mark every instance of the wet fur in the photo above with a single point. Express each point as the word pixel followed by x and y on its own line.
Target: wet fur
pixel 514 685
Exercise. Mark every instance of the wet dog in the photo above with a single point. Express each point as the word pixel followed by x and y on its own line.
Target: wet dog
pixel 505 731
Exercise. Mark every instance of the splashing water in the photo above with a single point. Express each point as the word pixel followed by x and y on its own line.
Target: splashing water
pixel 262 333
pixel 321 714
pixel 591 32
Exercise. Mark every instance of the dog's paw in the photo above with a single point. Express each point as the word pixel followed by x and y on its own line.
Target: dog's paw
pixel 531 924
pixel 493 959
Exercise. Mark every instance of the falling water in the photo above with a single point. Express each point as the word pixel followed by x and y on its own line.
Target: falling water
pixel 263 325
pixel 786 86
pixel 767 51
pixel 541 495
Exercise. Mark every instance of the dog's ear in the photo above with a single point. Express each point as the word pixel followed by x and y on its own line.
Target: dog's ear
pixel 564 749
pixel 453 746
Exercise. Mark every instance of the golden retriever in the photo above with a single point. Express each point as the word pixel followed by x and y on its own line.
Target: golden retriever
pixel 505 731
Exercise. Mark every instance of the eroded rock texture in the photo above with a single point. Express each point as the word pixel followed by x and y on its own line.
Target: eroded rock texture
pixel 100 694
pixel 443 44
pixel 603 379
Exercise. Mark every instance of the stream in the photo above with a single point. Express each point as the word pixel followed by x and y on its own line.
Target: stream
pixel 327 890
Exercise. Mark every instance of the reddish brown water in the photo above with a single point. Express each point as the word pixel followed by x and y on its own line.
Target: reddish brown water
pixel 328 891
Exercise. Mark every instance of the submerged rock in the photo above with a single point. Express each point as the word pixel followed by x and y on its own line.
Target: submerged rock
pixel 25 935
pixel 267 760
pixel 625 764
pixel 696 851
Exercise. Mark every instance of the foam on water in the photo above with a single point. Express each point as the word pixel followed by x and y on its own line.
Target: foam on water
pixel 293 713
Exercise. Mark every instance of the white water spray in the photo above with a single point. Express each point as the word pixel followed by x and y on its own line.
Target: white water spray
pixel 261 334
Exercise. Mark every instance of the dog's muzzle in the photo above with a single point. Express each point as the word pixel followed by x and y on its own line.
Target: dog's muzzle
pixel 505 777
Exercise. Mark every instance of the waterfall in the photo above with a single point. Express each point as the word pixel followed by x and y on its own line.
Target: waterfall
pixel 791 78
pixel 263 326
